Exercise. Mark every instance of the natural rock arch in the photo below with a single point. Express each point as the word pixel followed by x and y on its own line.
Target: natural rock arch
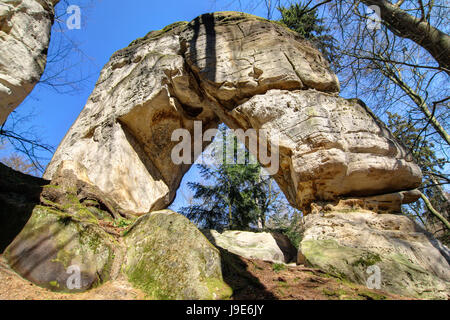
pixel 249 73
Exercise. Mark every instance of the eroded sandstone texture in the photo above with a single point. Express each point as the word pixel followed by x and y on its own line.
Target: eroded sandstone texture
pixel 249 73
pixel 24 38
pixel 362 246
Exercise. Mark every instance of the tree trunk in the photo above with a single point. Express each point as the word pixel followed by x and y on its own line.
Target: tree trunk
pixel 436 42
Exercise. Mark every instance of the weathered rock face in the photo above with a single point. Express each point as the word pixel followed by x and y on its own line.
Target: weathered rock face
pixel 63 232
pixel 19 194
pixel 251 245
pixel 169 258
pixel 249 73
pixel 25 27
pixel 346 244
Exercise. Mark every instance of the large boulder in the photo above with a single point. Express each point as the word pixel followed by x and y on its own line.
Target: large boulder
pixel 169 258
pixel 253 245
pixel 249 73
pixel 25 27
pixel 346 244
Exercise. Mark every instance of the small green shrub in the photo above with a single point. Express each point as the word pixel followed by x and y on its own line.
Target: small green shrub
pixel 122 223
pixel 277 267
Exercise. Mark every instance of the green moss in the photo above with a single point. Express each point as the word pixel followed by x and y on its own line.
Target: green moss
pixel 368 259
pixel 159 33
pixel 123 223
pixel 399 258
pixel 173 26
pixel 219 290
pixel 64 257
pixel 141 277
pixel 187 269
pixel 372 295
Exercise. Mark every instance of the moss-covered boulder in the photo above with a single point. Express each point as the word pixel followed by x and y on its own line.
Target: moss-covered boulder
pixel 54 246
pixel 348 245
pixel 169 258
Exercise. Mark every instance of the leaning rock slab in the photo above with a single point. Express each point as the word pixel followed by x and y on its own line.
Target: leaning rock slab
pixel 25 27
pixel 346 244
pixel 169 258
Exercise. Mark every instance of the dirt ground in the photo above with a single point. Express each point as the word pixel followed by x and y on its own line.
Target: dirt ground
pixel 266 280
pixel 250 280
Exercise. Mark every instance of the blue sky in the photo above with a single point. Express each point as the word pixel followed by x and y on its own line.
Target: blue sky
pixel 107 26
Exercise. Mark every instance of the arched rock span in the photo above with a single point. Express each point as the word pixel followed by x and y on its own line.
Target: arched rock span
pixel 247 72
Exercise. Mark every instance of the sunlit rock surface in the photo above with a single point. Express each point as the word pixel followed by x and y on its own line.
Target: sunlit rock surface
pixel 25 27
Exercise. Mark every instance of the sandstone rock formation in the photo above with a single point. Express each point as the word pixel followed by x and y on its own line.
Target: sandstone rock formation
pixel 72 230
pixel 25 27
pixel 251 245
pixel 249 73
pixel 346 244
pixel 169 258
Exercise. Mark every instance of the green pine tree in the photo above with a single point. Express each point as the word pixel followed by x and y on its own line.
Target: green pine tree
pixel 237 197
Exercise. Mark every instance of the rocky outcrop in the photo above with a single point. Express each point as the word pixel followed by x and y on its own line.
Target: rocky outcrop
pixel 169 258
pixel 63 232
pixel 25 27
pixel 252 245
pixel 19 194
pixel 74 229
pixel 346 243
pixel 330 148
pixel 249 73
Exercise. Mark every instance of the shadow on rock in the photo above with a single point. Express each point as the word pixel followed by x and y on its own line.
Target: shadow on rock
pixel 19 194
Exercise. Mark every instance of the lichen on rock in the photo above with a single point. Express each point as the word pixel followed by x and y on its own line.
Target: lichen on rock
pixel 249 73
pixel 169 258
